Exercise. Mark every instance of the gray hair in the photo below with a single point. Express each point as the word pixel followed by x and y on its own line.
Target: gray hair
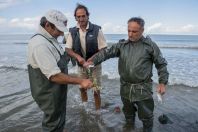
pixel 139 20
pixel 43 21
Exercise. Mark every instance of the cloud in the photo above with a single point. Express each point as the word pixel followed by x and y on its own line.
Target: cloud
pixel 22 25
pixel 106 27
pixel 69 15
pixel 114 29
pixel 186 29
pixel 2 21
pixel 154 27
pixel 29 23
pixel 159 28
pixel 19 25
pixel 8 3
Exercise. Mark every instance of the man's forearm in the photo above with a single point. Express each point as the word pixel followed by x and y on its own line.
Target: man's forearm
pixel 104 54
pixel 163 73
pixel 91 58
pixel 71 53
pixel 62 78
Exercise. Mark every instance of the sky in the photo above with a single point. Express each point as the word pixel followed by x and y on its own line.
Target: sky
pixel 161 16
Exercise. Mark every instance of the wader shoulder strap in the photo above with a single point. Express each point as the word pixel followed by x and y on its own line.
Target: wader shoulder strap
pixel 48 40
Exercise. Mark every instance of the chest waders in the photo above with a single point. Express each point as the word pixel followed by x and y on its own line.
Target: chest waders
pixel 50 97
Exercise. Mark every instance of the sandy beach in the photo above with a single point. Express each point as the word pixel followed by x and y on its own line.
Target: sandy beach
pixel 18 112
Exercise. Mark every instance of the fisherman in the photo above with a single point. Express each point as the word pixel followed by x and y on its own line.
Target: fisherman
pixel 136 58
pixel 47 68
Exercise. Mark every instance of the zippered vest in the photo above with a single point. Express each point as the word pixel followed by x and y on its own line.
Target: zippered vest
pixel 90 39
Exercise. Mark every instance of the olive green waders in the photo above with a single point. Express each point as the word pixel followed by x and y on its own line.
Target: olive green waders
pixel 145 112
pixel 50 97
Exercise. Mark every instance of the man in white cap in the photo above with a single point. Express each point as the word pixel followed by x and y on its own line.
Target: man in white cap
pixel 47 68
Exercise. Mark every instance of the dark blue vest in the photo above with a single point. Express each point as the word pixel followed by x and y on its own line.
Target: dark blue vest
pixel 90 39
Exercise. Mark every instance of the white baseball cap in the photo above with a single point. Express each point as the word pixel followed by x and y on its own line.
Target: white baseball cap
pixel 58 19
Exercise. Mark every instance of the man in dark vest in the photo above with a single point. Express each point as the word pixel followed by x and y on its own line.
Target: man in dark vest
pixel 82 43
pixel 47 68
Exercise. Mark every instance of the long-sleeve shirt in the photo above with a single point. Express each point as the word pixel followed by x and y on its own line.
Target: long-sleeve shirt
pixel 135 66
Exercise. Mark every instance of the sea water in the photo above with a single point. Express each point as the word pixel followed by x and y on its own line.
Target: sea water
pixel 18 111
pixel 180 51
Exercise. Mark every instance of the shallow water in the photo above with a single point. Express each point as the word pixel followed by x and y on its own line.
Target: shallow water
pixel 18 112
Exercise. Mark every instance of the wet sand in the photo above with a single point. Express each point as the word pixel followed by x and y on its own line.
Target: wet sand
pixel 18 112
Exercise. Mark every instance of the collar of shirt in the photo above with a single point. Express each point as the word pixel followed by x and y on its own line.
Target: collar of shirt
pixel 51 38
pixel 42 31
pixel 78 26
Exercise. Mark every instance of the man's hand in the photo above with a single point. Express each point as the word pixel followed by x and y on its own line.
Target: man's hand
pixel 86 64
pixel 81 60
pixel 90 59
pixel 161 89
pixel 86 84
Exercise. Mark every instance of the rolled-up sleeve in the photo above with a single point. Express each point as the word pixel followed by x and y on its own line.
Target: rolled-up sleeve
pixel 46 61
pixel 69 41
pixel 101 40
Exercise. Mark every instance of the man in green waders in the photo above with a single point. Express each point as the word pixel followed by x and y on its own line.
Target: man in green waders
pixel 136 58
pixel 47 68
